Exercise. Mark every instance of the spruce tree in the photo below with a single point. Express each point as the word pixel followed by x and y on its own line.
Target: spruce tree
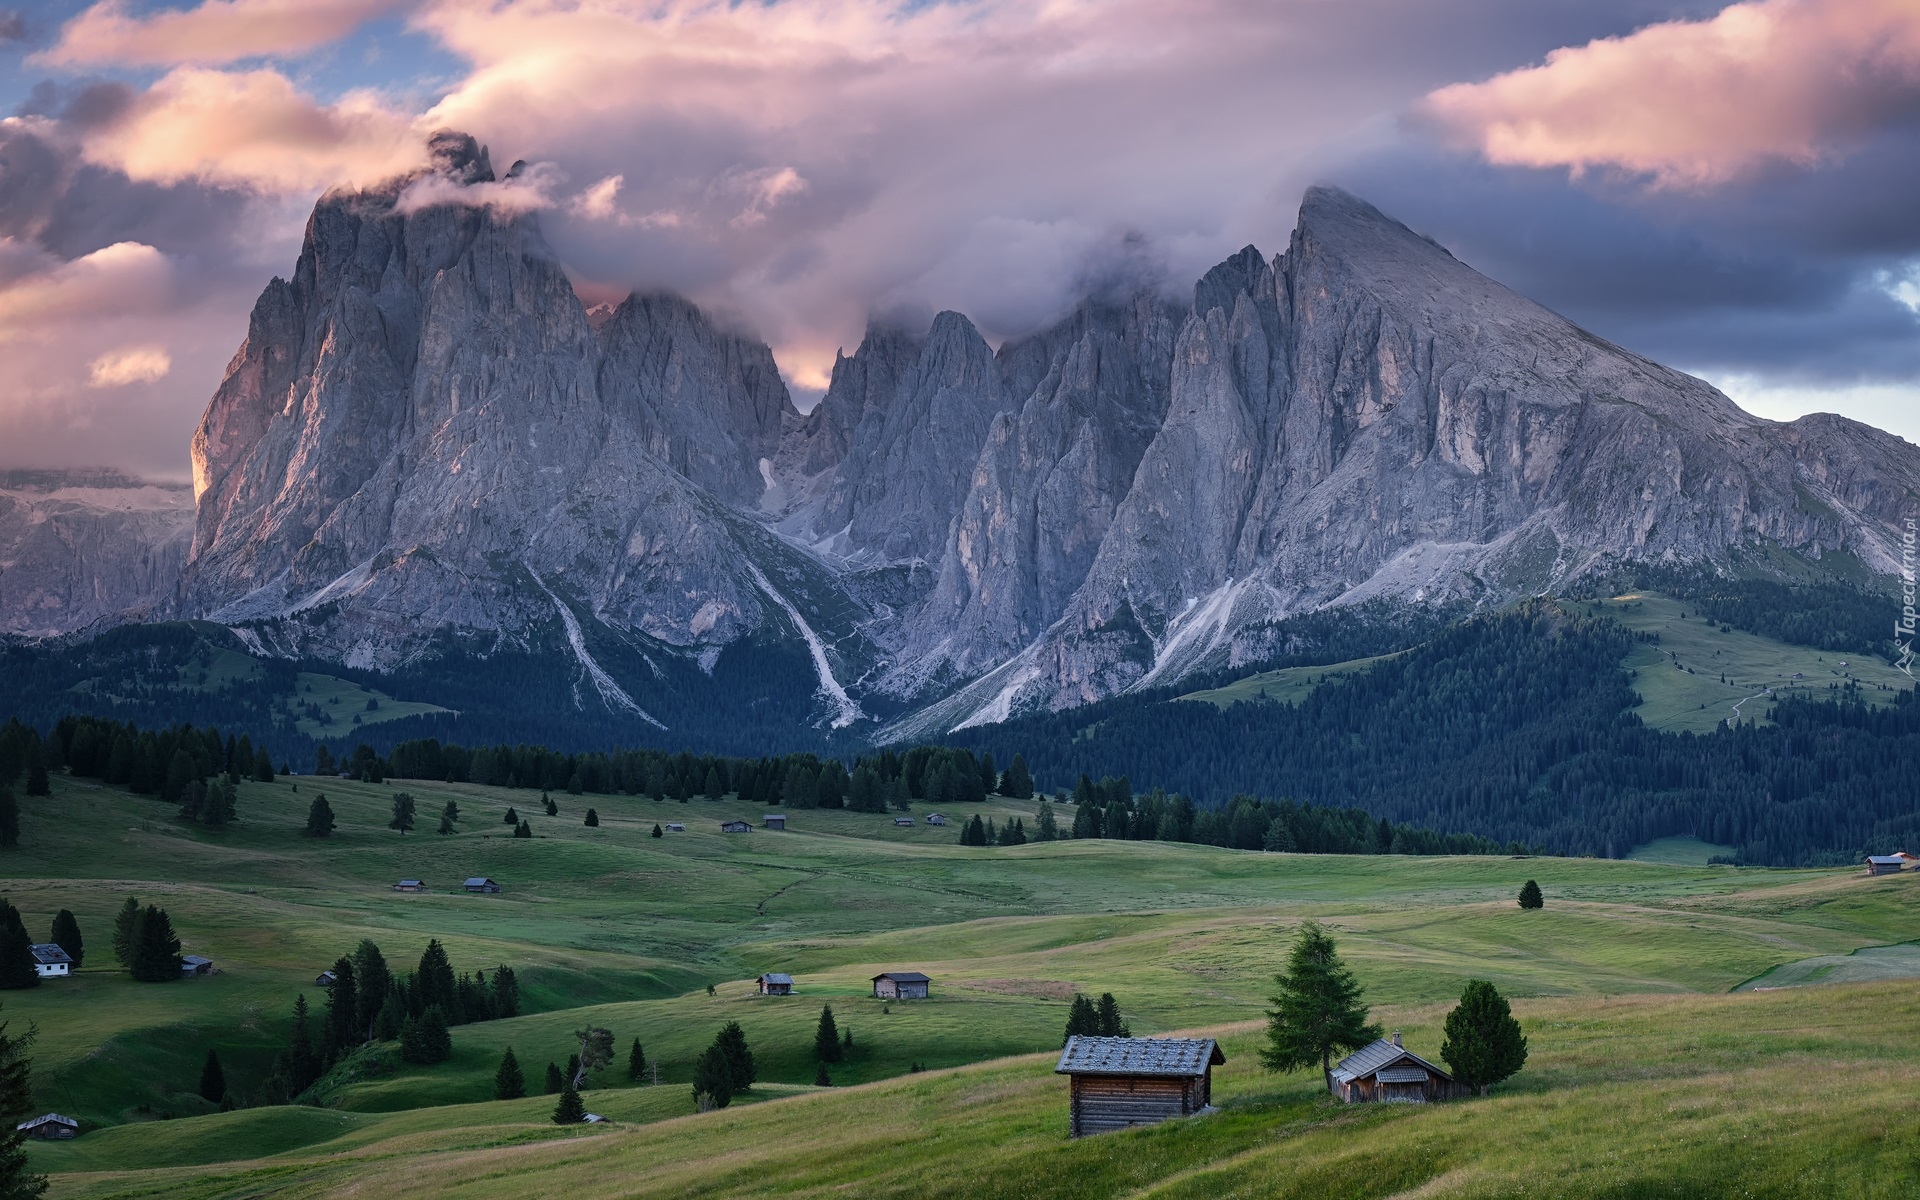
pixel 16 951
pixel 213 1080
pixel 523 831
pixel 1317 1010
pixel 553 810
pixel 1107 1022
pixel 319 818
pixel 1483 1043
pixel 1017 784
pixel 512 817
pixel 820 1076
pixel 657 831
pixel 1530 896
pixel 826 1037
pixel 181 771
pixel 503 995
pixel 732 1042
pixel 572 1072
pixel 448 815
pixel 555 1080
pixel 9 819
pixel 593 819
pixel 1082 1019
pixel 435 979
pixel 712 1080
pixel 66 935
pixel 391 1021
pixel 17 1181
pixel 123 923
pixel 424 1039
pixel 371 980
pixel 402 813
pixel 262 768
pixel 156 949
pixel 216 808
pixel 508 1082
pixel 569 1111
pixel 636 1062
pixel 303 1062
pixel 343 1029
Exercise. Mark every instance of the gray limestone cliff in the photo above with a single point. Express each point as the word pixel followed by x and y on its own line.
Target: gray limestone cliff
pixel 80 547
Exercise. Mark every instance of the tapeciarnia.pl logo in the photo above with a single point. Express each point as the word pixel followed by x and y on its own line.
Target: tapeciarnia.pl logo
pixel 1904 628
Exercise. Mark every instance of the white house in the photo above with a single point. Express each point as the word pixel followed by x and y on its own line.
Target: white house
pixel 50 960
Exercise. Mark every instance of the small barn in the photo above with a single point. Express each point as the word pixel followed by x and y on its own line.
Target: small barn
pixel 775 821
pixel 195 964
pixel 907 822
pixel 480 885
pixel 51 959
pixel 325 979
pixel 675 827
pixel 50 1127
pixel 901 985
pixel 1117 1082
pixel 1386 1072
pixel 936 819
pixel 1885 864
pixel 735 827
pixel 776 983
pixel 410 885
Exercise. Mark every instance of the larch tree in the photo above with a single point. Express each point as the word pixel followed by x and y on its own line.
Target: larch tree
pixel 1317 1009
pixel 402 813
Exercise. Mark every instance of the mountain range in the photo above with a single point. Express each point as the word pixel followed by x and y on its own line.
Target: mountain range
pixel 429 454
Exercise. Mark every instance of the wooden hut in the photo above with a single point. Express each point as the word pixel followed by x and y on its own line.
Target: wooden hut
pixel 50 1127
pixel 481 884
pixel 1386 1072
pixel 195 964
pixel 51 959
pixel 1886 864
pixel 735 827
pixel 410 885
pixel 901 985
pixel 776 983
pixel 676 827
pixel 1120 1082
pixel 775 821
pixel 936 819
pixel 325 979
pixel 906 821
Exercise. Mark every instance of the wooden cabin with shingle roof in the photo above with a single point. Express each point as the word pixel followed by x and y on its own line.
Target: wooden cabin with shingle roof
pixel 1116 1083
pixel 1386 1072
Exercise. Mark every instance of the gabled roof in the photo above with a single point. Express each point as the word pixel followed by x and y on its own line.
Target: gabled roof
pixel 1887 860
pixel 776 977
pixel 49 1119
pixel 904 977
pixel 1377 1056
pixel 51 954
pixel 194 960
pixel 477 881
pixel 409 883
pixel 1180 1058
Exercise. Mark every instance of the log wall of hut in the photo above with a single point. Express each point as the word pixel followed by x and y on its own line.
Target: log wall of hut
pixel 1104 1103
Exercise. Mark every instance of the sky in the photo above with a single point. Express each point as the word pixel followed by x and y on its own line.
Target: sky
pixel 1731 189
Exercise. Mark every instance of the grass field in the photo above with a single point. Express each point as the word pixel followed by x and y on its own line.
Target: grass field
pixel 614 927
pixel 1289 685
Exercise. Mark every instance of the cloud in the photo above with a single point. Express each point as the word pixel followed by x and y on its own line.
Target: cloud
pixel 130 364
pixel 1699 103
pixel 253 129
pixel 35 292
pixel 528 191
pixel 213 33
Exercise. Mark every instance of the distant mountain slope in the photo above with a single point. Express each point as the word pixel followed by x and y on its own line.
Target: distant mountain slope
pixel 80 546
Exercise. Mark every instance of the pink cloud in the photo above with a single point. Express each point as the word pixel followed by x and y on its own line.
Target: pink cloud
pixel 37 292
pixel 1696 103
pixel 214 32
pixel 254 129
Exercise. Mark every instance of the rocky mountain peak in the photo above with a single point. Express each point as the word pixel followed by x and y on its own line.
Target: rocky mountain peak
pixel 459 156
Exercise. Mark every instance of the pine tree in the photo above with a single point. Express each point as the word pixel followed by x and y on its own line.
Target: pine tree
pixel 424 1040
pixel 262 768
pixel 512 817
pixel 37 782
pixel 1483 1044
pixel 1107 1022
pixel 372 979
pixel 570 1110
pixel 596 1051
pixel 826 1037
pixel 303 1063
pixel 16 951
pixel 732 1042
pixel 1530 896
pixel 66 935
pixel 213 1080
pixel 323 764
pixel 156 950
pixel 402 813
pixel 319 818
pixel 523 831
pixel 636 1062
pixel 1318 1008
pixel 216 807
pixel 553 810
pixel 555 1080
pixel 1017 783
pixel 391 1021
pixel 712 1080
pixel 593 819
pixel 123 923
pixel 446 826
pixel 9 819
pixel 657 831
pixel 820 1076
pixel 435 979
pixel 508 1082
pixel 343 1029
pixel 17 1182
pixel 1082 1020
pixel 448 816
pixel 503 995
pixel 181 771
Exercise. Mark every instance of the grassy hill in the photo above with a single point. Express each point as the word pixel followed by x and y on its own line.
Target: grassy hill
pixel 614 927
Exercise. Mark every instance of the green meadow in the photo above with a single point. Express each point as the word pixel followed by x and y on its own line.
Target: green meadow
pixel 1642 1063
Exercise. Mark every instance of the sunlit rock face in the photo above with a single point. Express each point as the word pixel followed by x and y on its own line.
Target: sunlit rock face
pixel 79 548
pixel 425 434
